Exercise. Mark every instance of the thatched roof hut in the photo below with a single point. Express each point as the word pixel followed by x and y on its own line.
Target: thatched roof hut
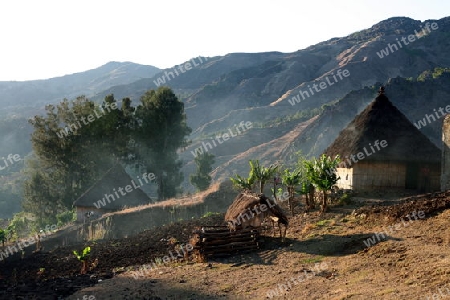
pixel 407 160
pixel 250 209
pixel 104 195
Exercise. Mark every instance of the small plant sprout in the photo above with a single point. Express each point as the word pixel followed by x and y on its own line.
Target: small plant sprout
pixel 83 257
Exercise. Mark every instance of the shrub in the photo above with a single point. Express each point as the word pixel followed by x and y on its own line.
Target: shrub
pixel 65 217
pixel 346 199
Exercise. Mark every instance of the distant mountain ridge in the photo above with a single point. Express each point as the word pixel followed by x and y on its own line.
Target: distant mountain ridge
pixel 245 80
pixel 37 93
pixel 257 87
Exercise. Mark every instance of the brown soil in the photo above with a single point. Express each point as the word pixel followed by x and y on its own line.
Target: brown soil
pixel 409 262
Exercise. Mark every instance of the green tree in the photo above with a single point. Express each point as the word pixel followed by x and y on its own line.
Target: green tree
pixel 261 174
pixel 10 201
pixel 40 198
pixel 306 188
pixel 161 129
pixel 73 145
pixel 20 225
pixel 322 173
pixel 242 183
pixel 201 179
pixel 2 237
pixel 291 179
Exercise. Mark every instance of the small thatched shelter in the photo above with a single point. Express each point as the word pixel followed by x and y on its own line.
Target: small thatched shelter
pixel 381 149
pixel 104 196
pixel 250 209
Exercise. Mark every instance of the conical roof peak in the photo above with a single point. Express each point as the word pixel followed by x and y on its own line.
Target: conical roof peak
pixel 381 120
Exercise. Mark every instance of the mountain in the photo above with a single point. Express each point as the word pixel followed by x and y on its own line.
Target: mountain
pixel 222 85
pixel 28 97
pixel 415 83
pixel 294 101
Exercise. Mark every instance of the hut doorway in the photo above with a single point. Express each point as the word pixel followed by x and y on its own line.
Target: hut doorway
pixel 412 174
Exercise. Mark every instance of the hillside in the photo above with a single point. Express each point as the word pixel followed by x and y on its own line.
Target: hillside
pixel 272 90
pixel 334 256
pixel 247 80
pixel 278 141
pixel 414 98
pixel 29 97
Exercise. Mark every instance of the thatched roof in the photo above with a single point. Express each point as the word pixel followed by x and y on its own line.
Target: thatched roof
pixel 114 178
pixel 247 200
pixel 381 120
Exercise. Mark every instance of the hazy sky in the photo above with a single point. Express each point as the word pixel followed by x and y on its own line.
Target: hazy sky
pixel 43 39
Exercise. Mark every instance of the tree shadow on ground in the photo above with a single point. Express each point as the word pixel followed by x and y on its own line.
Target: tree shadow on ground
pixel 323 245
pixel 143 288
pixel 336 245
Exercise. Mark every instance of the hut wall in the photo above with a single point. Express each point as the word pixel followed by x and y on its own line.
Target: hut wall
pixel 379 175
pixel 83 210
pixel 374 175
pixel 445 167
pixel 346 178
pixel 435 180
pixel 429 179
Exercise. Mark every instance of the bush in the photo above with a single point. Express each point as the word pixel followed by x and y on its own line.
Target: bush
pixel 65 217
pixel 346 199
pixel 21 225
pixel 210 214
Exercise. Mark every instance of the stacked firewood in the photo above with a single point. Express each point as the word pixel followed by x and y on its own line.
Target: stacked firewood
pixel 219 241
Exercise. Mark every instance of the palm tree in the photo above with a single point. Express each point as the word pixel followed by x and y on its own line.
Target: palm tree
pixel 291 179
pixel 242 183
pixel 305 186
pixel 261 174
pixel 322 173
pixel 307 189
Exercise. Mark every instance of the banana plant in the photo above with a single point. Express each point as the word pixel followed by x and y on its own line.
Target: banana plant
pixel 322 173
pixel 261 174
pixel 241 182
pixel 291 179
pixel 83 257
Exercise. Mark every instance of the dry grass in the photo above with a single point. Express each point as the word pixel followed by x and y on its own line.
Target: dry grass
pixel 182 201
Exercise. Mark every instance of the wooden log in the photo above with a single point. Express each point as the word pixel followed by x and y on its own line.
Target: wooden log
pixel 220 241
pixel 229 250
pixel 226 233
pixel 227 241
pixel 226 238
pixel 214 236
pixel 229 245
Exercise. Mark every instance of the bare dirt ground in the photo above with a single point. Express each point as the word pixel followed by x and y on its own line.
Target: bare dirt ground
pixel 324 257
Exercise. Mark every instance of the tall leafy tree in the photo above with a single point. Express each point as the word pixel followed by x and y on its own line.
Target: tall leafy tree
pixel 41 198
pixel 201 179
pixel 77 141
pixel 161 130
pixel 73 145
pixel 322 173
